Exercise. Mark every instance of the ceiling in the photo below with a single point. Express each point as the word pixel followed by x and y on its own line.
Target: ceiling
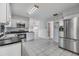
pixel 45 9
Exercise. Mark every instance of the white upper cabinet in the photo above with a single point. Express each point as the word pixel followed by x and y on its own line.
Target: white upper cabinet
pixel 8 14
pixel 5 14
pixel 2 12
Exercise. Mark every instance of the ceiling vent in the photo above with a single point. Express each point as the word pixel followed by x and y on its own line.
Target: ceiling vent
pixel 55 14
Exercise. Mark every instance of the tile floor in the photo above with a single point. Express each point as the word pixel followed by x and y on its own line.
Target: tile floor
pixel 44 47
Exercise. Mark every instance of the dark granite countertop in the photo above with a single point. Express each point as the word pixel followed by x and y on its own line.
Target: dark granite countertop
pixel 8 41
pixel 11 40
pixel 14 32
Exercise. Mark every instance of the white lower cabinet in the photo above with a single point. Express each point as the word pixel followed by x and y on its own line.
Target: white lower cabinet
pixel 29 36
pixel 11 50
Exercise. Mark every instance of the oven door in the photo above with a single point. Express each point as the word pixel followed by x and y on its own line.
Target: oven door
pixel 22 36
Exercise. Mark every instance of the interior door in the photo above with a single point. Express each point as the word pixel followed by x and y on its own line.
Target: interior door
pixel 49 30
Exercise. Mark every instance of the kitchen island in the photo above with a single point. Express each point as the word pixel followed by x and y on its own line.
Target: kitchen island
pixel 11 43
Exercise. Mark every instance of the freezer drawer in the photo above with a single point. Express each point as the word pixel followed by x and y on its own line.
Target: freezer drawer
pixel 72 45
pixel 69 44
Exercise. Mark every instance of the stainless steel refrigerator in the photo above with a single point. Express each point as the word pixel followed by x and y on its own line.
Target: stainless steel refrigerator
pixel 69 34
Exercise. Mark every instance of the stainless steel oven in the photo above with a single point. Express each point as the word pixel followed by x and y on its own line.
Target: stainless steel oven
pixel 21 36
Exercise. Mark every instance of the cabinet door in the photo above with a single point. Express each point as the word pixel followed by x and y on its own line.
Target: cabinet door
pixel 11 50
pixel 2 12
pixel 8 14
pixel 30 36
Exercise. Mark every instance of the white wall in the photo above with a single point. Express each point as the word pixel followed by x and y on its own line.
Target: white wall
pixel 34 26
pixel 43 30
